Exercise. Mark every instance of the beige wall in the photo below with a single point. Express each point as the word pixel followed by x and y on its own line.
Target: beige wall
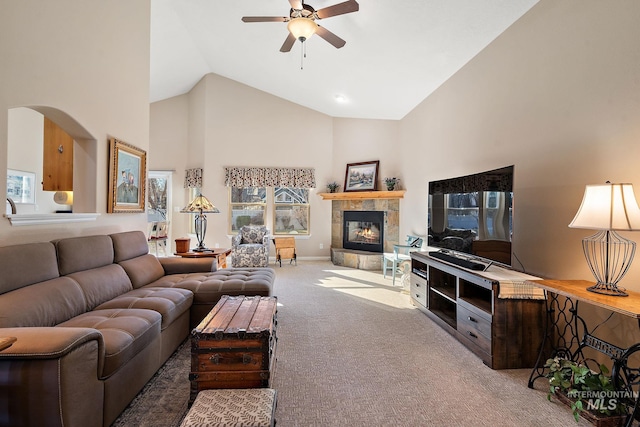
pixel 558 96
pixel 230 124
pixel 87 63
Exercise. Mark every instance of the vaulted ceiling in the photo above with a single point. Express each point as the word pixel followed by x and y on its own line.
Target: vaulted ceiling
pixel 396 53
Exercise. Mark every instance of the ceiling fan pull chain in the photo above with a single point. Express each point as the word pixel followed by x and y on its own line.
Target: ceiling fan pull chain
pixel 303 54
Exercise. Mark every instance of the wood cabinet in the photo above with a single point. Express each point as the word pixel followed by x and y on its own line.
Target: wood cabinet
pixel 504 333
pixel 57 165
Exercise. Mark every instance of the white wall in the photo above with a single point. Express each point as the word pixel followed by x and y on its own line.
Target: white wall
pixel 89 60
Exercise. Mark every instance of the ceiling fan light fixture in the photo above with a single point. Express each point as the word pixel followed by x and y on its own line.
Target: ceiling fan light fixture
pixel 302 28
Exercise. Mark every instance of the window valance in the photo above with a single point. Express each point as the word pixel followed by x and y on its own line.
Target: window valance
pixel 193 178
pixel 270 177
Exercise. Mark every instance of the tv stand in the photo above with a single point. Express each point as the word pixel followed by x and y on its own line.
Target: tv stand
pixel 504 333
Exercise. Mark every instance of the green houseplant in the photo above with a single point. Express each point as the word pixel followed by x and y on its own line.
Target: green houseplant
pixel 391 183
pixel 332 187
pixel 586 390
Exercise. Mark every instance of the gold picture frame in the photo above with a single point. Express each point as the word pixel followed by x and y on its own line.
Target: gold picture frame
pixel 127 178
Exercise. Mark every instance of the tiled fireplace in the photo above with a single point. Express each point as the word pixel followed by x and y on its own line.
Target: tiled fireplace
pixel 352 256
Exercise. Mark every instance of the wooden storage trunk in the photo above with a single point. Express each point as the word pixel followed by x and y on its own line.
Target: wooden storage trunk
pixel 234 345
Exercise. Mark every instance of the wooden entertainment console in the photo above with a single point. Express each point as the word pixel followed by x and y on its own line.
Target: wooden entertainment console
pixel 506 333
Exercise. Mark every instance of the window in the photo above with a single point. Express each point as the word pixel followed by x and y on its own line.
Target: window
pixel 291 210
pixel 248 207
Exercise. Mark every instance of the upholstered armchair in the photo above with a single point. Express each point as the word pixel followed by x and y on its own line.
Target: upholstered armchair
pixel 250 247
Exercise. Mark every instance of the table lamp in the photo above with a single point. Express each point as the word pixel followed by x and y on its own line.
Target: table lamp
pixel 607 208
pixel 200 206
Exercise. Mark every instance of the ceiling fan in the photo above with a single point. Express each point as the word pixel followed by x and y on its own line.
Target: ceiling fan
pixel 302 22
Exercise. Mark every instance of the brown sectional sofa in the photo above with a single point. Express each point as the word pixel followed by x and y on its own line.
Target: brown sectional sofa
pixel 95 317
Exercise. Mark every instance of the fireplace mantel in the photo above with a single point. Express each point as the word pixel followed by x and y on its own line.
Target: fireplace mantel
pixel 359 195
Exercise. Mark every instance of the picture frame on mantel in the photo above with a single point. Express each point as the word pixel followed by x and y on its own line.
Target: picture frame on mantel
pixel 362 176
pixel 127 178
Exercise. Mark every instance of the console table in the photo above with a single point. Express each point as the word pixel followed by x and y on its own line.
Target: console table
pixel 503 329
pixel 567 334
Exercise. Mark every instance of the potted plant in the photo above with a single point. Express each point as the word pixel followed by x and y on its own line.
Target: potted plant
pixel 391 182
pixel 332 187
pixel 589 393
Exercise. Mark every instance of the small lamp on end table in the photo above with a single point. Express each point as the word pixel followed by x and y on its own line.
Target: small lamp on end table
pixel 200 206
pixel 607 208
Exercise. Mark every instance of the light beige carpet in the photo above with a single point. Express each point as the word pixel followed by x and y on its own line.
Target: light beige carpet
pixel 352 351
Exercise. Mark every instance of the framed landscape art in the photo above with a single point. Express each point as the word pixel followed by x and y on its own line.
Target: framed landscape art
pixel 361 176
pixel 127 174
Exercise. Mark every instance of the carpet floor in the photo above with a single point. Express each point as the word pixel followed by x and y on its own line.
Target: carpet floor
pixel 353 351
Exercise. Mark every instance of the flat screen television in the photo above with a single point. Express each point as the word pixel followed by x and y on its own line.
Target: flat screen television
pixel 472 215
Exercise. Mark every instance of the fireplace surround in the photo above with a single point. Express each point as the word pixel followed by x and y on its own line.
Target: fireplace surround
pixel 354 258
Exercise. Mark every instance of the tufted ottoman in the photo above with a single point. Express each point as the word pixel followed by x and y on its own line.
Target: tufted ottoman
pixel 209 287
pixel 249 407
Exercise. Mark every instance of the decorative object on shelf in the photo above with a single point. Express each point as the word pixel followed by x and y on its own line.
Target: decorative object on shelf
pixel 583 389
pixel 361 176
pixel 200 206
pixel 127 175
pixel 21 186
pixel 608 207
pixel 391 183
pixel 333 187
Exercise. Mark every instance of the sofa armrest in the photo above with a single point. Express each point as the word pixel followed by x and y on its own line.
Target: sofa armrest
pixel 175 265
pixel 49 376
pixel 47 342
pixel 236 240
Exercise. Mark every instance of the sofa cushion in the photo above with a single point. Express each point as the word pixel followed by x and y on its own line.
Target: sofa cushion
pixel 102 284
pixel 129 244
pixel 83 253
pixel 170 303
pixel 22 265
pixel 42 304
pixel 209 287
pixel 143 270
pixel 125 332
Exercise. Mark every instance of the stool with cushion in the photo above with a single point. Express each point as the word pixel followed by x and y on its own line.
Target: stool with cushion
pixel 253 407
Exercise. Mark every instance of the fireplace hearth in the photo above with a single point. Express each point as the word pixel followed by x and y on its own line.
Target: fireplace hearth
pixel 363 231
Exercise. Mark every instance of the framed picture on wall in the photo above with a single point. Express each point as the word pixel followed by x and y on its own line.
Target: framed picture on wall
pixel 127 174
pixel 361 176
pixel 21 186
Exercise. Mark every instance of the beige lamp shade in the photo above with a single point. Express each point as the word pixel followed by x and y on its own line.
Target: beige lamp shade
pixel 302 28
pixel 200 205
pixel 63 197
pixel 608 207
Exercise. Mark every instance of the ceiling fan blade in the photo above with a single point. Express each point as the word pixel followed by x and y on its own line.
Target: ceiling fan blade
pixel 336 41
pixel 295 4
pixel 288 43
pixel 264 19
pixel 338 9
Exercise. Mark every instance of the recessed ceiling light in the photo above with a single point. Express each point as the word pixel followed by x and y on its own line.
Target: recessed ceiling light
pixel 340 98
